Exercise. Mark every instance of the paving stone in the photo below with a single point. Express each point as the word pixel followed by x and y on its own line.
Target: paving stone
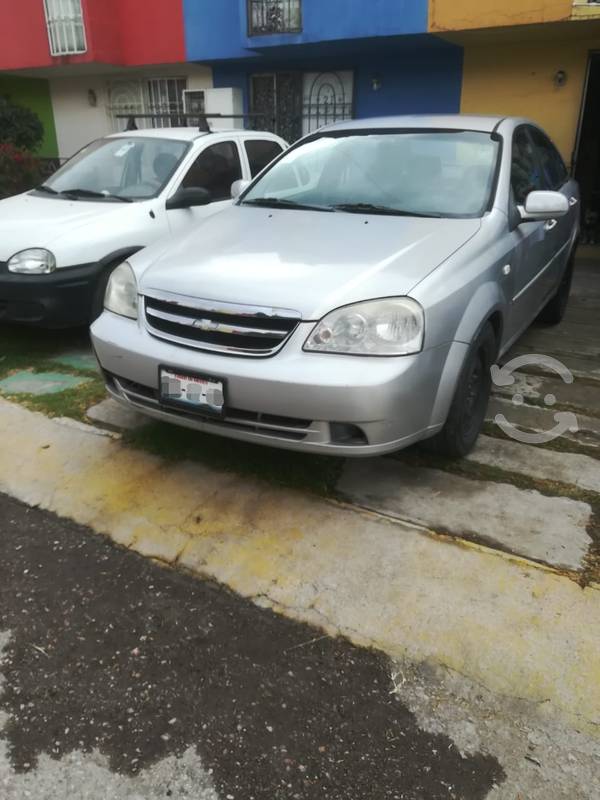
pixel 584 395
pixel 116 417
pixel 549 529
pixel 541 419
pixel 78 360
pixel 537 462
pixel 40 383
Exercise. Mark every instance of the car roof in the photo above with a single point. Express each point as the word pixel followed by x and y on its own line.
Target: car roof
pixel 189 134
pixel 471 122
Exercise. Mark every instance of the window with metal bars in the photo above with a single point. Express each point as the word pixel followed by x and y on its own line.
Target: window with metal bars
pixel 66 28
pixel 274 16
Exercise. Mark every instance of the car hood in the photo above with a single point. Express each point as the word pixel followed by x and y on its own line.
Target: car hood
pixel 307 261
pixel 27 220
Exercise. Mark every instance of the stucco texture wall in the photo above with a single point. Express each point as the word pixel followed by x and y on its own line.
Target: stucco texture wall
pixel 460 15
pixel 518 79
pixel 34 94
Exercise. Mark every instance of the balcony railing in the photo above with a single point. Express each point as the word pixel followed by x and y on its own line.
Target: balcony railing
pixel 274 16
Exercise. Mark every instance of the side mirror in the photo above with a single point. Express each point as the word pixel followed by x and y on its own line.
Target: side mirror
pixel 238 187
pixel 543 206
pixel 188 198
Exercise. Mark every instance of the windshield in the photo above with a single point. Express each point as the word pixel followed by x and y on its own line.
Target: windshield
pixel 134 169
pixel 439 173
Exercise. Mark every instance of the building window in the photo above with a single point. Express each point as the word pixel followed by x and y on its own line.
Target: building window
pixel 165 100
pixel 155 103
pixel 274 16
pixel 66 29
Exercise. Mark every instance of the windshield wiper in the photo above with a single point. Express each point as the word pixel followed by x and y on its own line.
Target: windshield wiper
pixel 43 188
pixel 278 202
pixel 89 193
pixel 371 208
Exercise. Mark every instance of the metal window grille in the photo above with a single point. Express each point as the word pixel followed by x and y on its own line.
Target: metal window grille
pixel 165 96
pixel 162 97
pixel 66 28
pixel 274 16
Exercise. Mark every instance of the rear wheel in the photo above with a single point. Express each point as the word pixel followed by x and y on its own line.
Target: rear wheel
pixel 554 311
pixel 467 412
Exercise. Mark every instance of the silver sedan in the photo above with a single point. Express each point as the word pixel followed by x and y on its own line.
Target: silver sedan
pixel 354 298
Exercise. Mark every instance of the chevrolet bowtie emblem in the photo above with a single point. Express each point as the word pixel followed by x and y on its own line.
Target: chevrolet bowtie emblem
pixel 207 324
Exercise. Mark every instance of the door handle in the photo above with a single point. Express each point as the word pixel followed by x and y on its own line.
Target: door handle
pixel 573 201
pixel 552 223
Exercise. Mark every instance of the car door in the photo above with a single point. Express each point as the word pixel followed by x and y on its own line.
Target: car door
pixel 559 232
pixel 529 238
pixel 215 168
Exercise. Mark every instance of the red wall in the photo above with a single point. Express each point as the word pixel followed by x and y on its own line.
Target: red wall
pixel 120 32
pixel 152 31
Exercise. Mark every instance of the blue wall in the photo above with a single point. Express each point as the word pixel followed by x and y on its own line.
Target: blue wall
pixel 424 80
pixel 217 29
pixel 417 74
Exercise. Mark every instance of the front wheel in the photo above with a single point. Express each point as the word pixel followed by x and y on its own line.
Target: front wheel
pixel 467 412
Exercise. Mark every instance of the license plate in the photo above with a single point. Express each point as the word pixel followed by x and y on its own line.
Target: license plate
pixel 195 392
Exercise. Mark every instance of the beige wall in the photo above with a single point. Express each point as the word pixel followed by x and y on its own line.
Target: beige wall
pixel 78 123
pixel 517 79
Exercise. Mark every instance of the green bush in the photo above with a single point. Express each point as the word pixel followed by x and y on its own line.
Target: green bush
pixel 20 126
pixel 19 170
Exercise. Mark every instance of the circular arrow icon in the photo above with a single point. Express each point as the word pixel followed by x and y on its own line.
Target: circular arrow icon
pixel 565 420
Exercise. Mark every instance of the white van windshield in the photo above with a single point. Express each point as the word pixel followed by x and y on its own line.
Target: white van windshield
pixel 133 168
pixel 413 173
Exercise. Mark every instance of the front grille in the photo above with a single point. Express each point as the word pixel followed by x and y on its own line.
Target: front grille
pixel 220 327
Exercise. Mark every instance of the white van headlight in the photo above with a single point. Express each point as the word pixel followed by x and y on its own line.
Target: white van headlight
pixel 393 326
pixel 121 292
pixel 35 261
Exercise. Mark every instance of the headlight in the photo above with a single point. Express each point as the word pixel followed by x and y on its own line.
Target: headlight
pixel 390 327
pixel 121 292
pixel 35 261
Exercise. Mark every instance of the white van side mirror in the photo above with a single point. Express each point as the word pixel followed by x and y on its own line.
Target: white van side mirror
pixel 544 205
pixel 238 187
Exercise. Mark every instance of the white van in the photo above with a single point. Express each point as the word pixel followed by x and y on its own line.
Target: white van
pixel 60 241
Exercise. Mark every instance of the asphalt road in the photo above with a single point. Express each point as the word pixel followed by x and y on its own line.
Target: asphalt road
pixel 122 679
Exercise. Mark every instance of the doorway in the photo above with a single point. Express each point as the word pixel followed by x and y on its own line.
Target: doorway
pixel 293 104
pixel 587 156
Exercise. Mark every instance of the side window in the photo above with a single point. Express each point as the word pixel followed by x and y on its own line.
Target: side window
pixel 261 152
pixel 554 172
pixel 215 169
pixel 525 174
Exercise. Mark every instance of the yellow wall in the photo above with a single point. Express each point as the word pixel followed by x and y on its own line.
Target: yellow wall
pixel 457 15
pixel 516 79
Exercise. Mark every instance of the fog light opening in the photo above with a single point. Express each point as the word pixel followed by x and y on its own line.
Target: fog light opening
pixel 345 434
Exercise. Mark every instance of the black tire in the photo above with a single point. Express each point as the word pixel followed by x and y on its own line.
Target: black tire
pixel 554 311
pixel 467 412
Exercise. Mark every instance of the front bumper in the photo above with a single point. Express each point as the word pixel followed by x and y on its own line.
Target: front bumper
pixel 62 299
pixel 320 403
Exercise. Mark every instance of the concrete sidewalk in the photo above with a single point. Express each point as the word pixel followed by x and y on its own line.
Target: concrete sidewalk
pixel 518 628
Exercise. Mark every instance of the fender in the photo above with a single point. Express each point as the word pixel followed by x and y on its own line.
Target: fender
pixel 486 303
pixel 120 255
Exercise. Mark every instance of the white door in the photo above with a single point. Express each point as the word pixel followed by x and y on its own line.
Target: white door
pixel 214 169
pixel 327 98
